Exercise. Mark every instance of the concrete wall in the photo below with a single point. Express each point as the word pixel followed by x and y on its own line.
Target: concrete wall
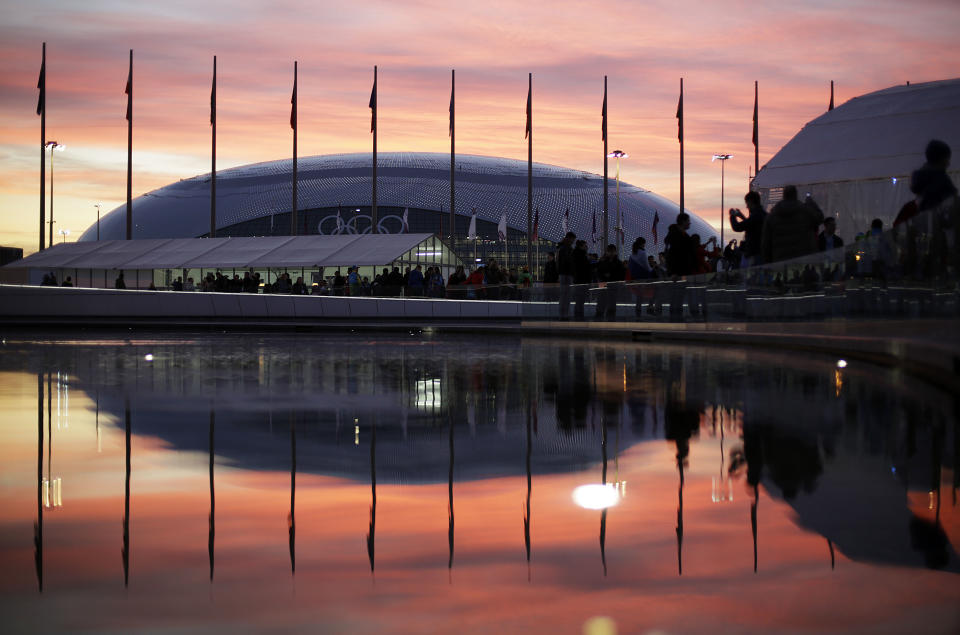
pixel 17 303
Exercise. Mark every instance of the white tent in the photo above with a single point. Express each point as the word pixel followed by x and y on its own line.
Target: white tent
pixel 97 263
pixel 856 160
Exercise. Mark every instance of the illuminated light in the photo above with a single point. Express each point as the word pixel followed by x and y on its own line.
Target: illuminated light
pixel 721 490
pixel 430 253
pixel 428 394
pixel 148 357
pixel 894 180
pixel 596 496
pixel 356 434
pixel 600 625
pixel 841 363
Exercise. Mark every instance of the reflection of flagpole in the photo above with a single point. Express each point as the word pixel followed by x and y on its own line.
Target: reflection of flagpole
pixel 450 497
pixel 291 520
pixel 38 526
pixel 125 552
pixel 371 533
pixel 210 534
pixel 753 524
pixel 526 514
pixel 603 481
pixel 680 517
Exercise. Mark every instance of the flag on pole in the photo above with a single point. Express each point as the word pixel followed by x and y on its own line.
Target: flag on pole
pixel 472 230
pixel 373 106
pixel 42 85
pixel 406 220
pixel 502 227
pixel 656 221
pixel 213 94
pixel 529 127
pixel 293 104
pixel 536 225
pixel 831 96
pixel 566 222
pixel 603 126
pixel 128 91
pixel 680 116
pixel 593 231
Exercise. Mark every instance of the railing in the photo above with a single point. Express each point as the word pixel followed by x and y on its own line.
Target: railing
pixel 910 270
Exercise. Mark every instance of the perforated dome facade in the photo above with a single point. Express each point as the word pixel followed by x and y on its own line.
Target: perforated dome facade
pixel 254 199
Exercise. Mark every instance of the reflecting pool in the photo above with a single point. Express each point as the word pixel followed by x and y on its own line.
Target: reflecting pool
pixel 409 483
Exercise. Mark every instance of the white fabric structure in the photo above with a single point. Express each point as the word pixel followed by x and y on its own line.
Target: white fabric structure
pixel 226 253
pixel 856 159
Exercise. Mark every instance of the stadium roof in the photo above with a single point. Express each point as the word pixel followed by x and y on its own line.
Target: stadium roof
pixel 194 253
pixel 490 185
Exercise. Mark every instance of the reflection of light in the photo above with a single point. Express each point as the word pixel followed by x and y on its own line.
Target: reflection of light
pixel 596 496
pixel 841 363
pixel 52 493
pixel 932 499
pixel 722 490
pixel 838 381
pixel 356 434
pixel 428 393
pixel 148 357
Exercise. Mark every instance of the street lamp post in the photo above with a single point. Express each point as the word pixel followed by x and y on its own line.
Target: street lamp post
pixel 53 145
pixel 723 160
pixel 617 154
pixel 63 235
pixel 97 205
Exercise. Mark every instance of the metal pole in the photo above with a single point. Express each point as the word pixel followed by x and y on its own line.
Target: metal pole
pixel 453 199
pixel 98 220
pixel 723 164
pixel 43 141
pixel 529 182
pixel 50 242
pixel 213 153
pixel 376 225
pixel 606 198
pixel 130 153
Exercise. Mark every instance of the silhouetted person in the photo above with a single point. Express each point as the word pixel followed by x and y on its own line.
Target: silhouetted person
pixel 69 282
pixel 828 238
pixel 752 227
pixel 119 282
pixel 790 230
pixel 681 250
pixel 931 183
pixel 565 272
pixel 582 276
pixel 550 273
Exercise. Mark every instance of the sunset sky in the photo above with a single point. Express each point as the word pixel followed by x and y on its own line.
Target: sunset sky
pixel 793 49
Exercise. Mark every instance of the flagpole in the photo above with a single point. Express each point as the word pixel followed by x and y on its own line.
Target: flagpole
pixel 680 123
pixel 453 199
pixel 373 104
pixel 529 173
pixel 756 128
pixel 130 149
pixel 213 153
pixel 42 111
pixel 293 124
pixel 606 183
pixel 831 96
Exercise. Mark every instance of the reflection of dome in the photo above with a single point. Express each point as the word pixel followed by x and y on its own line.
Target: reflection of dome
pixel 255 200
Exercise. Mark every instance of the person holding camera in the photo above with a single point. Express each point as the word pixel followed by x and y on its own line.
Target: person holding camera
pixel 752 228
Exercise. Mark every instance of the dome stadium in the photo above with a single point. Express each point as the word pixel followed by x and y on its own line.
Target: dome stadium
pixel 255 200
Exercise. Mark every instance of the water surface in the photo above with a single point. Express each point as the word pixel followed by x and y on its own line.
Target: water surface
pixel 405 483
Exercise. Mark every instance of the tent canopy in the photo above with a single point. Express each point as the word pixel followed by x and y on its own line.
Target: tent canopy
pixel 237 253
